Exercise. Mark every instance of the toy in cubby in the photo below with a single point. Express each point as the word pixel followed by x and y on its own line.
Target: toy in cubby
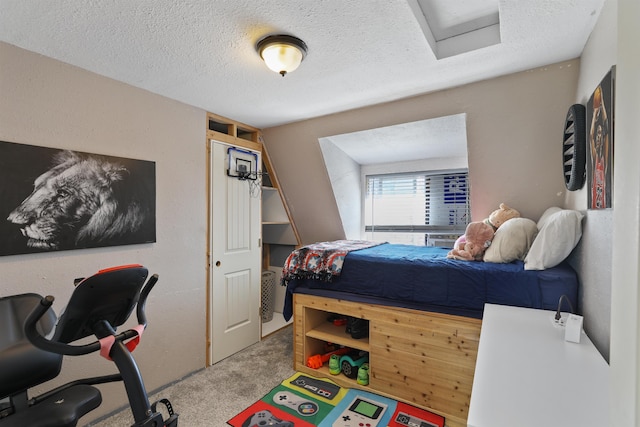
pixel 349 363
pixel 356 327
pixel 354 365
pixel 317 360
pixel 337 319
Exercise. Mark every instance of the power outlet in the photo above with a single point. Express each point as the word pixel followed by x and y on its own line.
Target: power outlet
pixel 560 322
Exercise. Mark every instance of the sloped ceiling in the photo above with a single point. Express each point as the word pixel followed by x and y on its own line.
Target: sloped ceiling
pixel 441 137
pixel 361 52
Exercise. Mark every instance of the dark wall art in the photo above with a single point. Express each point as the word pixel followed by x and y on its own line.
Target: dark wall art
pixel 600 120
pixel 53 200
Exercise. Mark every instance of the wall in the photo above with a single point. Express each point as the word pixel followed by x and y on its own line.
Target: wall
pixel 344 176
pixel 592 257
pixel 513 128
pixel 625 278
pixel 49 103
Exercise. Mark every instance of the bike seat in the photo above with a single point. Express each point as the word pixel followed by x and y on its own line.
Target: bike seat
pixel 63 409
pixel 23 366
pixel 18 357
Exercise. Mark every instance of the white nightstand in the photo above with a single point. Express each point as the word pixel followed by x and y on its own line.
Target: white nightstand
pixel 528 375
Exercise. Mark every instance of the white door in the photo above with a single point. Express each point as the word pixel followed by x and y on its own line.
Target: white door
pixel 235 267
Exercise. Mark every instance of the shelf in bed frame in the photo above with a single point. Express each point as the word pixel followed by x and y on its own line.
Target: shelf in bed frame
pixel 320 331
pixel 337 335
pixel 421 358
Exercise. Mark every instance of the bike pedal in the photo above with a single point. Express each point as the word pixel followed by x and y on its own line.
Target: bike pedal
pixel 166 403
pixel 172 421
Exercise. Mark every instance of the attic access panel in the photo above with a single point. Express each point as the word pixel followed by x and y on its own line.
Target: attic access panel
pixel 455 27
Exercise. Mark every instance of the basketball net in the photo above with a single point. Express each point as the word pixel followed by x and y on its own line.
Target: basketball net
pixel 255 183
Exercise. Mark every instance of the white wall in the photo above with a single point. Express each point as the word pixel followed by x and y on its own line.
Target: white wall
pixel 625 295
pixel 344 175
pixel 592 257
pixel 51 104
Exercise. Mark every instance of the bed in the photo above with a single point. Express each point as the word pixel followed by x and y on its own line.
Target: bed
pixel 424 309
pixel 423 278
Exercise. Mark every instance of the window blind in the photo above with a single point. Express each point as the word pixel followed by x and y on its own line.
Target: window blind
pixel 416 202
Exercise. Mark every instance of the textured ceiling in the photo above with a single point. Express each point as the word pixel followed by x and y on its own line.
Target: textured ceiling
pixel 361 52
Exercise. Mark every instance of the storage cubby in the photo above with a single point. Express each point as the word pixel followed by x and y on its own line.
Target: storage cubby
pixel 232 132
pixel 318 331
pixel 423 358
pixel 219 127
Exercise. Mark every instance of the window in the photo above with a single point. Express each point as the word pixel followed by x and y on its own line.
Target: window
pixel 420 208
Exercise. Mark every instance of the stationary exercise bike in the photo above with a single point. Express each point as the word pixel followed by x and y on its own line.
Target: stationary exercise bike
pixel 98 305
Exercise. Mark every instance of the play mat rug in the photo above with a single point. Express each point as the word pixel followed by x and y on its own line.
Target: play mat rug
pixel 303 401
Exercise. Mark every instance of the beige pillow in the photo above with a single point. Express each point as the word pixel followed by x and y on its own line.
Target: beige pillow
pixel 512 241
pixel 560 231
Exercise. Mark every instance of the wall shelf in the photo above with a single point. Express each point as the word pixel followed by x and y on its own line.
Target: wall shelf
pixel 278 228
pixel 279 234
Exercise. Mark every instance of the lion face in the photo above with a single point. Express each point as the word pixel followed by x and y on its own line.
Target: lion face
pixel 67 201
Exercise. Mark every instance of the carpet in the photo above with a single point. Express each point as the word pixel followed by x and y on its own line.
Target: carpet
pixel 304 401
pixel 209 397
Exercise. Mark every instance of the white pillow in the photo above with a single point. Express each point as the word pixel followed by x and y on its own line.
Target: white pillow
pixel 559 232
pixel 546 215
pixel 511 241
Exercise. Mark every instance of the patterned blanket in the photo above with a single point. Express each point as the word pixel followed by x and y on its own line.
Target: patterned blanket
pixel 320 261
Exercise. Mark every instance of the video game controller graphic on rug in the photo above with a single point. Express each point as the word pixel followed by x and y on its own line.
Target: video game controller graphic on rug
pixel 317 387
pixel 266 418
pixel 302 406
pixel 411 421
pixel 361 412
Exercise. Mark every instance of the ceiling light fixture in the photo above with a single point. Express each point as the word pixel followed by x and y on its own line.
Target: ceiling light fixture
pixel 282 53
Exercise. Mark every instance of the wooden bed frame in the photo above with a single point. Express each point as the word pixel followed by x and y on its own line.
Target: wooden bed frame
pixel 422 358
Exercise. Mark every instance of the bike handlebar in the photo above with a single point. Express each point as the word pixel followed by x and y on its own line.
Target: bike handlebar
pixel 140 310
pixel 41 342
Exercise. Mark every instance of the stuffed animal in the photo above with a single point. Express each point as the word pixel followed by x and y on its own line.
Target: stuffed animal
pixel 472 244
pixel 500 216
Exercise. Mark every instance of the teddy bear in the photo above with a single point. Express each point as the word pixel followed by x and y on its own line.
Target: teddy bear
pixel 500 216
pixel 476 239
pixel 473 243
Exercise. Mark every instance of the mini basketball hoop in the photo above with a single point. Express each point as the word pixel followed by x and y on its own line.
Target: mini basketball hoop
pixel 243 164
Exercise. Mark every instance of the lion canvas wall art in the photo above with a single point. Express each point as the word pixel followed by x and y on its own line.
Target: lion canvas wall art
pixel 53 200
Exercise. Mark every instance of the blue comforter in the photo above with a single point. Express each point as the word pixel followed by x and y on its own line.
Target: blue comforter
pixel 424 278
